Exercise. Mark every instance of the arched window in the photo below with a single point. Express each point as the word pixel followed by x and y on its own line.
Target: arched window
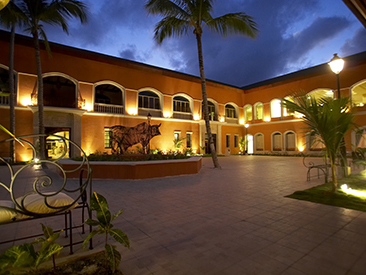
pixel 359 94
pixel 259 142
pixel 108 99
pixel 275 108
pixel 211 111
pixel 285 111
pixel 290 141
pixel 59 91
pixel 149 100
pixel 230 111
pixel 181 104
pixel 248 113
pixel 321 93
pixel 277 142
pixel 258 111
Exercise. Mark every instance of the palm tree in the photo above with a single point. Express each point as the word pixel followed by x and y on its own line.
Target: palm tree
pixel 181 16
pixel 330 119
pixel 53 12
pixel 10 17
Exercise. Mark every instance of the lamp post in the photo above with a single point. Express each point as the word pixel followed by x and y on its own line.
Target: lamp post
pixel 336 65
pixel 246 125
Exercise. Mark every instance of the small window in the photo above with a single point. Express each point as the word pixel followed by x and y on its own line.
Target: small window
pixel 236 141
pixel 230 111
pixel 176 136
pixel 259 140
pixel 189 140
pixel 277 144
pixel 228 141
pixel 290 142
pixel 108 133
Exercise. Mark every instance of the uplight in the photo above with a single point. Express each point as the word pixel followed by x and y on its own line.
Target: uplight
pixel 241 122
pixel 267 119
pixel 353 192
pixel 88 107
pixel 26 101
pixel 301 148
pixel 132 111
pixel 167 115
pixel 196 117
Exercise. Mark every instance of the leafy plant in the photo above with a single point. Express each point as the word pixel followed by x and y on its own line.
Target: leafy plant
pixel 105 227
pixel 242 144
pixel 25 255
pixel 178 142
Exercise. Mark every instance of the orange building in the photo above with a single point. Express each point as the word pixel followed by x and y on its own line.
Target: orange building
pixel 86 93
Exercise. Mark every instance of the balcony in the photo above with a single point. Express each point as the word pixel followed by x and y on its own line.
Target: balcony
pixel 182 115
pixel 4 100
pixel 232 120
pixel 108 108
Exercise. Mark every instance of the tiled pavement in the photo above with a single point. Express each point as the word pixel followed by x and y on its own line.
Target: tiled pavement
pixel 234 221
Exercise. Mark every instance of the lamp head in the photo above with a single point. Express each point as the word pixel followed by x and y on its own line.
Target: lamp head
pixel 246 125
pixel 336 64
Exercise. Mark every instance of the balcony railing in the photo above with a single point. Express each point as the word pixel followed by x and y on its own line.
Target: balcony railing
pixel 4 100
pixel 182 115
pixel 108 108
pixel 231 120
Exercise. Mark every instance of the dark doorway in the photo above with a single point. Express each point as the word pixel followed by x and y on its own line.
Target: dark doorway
pixel 207 147
pixel 59 92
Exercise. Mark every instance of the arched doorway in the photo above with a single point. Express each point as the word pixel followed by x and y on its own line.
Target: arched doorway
pixel 56 146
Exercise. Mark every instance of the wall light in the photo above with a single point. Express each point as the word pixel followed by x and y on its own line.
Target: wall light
pixel 222 119
pixel 301 148
pixel 167 115
pixel 241 122
pixel 87 107
pixel 132 111
pixel 26 101
pixel 267 119
pixel 196 117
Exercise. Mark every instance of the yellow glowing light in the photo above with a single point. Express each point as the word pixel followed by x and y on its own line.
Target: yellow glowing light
pixel 132 111
pixel 88 107
pixel 353 192
pixel 167 115
pixel 301 148
pixel 267 119
pixel 241 122
pixel 26 101
pixel 196 117
pixel 298 115
pixel 3 3
pixel 222 119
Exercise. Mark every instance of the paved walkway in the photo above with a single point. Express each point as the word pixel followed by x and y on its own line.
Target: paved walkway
pixel 234 221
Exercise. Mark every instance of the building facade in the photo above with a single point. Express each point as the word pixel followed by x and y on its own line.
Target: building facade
pixel 86 93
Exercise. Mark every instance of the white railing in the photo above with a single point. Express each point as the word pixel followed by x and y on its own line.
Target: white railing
pixel 108 108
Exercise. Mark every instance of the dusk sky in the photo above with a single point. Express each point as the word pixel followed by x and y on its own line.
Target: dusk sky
pixel 293 35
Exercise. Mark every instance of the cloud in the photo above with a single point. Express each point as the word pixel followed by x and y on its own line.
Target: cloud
pixel 131 52
pixel 356 44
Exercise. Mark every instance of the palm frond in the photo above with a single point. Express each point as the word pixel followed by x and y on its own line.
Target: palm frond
pixel 233 23
pixel 170 26
pixel 169 8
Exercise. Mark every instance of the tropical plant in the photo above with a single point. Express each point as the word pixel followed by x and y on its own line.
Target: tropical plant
pixel 178 142
pixel 242 145
pixel 10 17
pixel 25 255
pixel 53 12
pixel 327 118
pixel 105 227
pixel 181 16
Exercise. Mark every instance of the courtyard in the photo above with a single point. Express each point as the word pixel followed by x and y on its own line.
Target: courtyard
pixel 231 221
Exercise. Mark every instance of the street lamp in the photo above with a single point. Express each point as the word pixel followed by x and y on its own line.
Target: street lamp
pixel 246 125
pixel 336 65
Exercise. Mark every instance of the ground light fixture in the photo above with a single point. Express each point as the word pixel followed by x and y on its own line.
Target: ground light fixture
pixel 336 65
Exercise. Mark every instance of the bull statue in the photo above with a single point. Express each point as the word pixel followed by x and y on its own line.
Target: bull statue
pixel 125 137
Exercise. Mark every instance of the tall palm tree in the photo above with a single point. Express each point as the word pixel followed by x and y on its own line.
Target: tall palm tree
pixel 10 17
pixel 330 119
pixel 53 12
pixel 181 16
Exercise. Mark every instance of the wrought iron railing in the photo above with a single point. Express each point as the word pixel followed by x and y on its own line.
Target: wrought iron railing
pixel 108 108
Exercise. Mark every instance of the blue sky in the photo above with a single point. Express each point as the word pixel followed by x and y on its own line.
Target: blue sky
pixel 293 35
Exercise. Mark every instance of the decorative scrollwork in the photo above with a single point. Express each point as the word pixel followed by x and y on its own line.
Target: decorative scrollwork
pixel 42 187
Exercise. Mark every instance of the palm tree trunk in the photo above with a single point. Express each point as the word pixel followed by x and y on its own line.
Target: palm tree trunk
pixel 12 92
pixel 334 175
pixel 41 129
pixel 205 104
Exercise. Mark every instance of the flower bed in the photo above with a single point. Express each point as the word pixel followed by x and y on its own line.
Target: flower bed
pixel 138 169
